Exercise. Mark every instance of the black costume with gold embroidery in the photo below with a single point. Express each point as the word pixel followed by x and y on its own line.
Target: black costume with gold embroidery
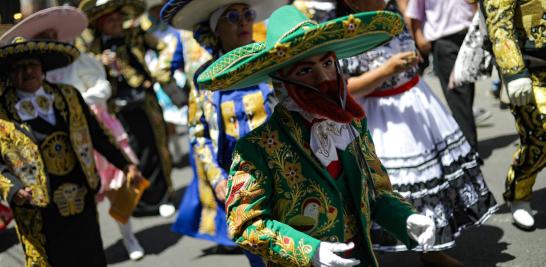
pixel 135 104
pixel 517 30
pixel 64 231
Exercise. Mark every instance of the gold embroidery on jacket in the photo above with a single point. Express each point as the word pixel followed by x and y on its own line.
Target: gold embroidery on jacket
pixel 58 154
pixel 23 158
pixel 79 134
pixel 29 230
pixel 70 199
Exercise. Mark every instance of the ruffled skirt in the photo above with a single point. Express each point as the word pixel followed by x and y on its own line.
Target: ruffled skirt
pixel 429 163
pixel 111 177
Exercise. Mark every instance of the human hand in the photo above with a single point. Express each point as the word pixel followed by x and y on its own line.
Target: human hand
pixel 520 91
pixel 23 196
pixel 325 255
pixel 221 190
pixel 424 46
pixel 421 229
pixel 133 174
pixel 401 62
pixel 108 57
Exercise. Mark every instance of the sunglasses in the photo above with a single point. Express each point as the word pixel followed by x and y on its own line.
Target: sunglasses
pixel 235 17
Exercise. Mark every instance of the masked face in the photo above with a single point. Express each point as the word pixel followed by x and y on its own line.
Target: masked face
pixel 316 85
pixel 26 75
pixel 111 24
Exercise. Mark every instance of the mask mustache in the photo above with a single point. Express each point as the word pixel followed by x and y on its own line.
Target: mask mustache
pixel 330 90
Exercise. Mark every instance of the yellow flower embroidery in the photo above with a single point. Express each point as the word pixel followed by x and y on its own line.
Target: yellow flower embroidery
pixel 351 24
pixel 292 172
pixel 270 141
pixel 253 242
pixel 280 51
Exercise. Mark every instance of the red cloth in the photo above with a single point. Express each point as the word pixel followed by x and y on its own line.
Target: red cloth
pixel 398 90
pixel 5 216
pixel 334 168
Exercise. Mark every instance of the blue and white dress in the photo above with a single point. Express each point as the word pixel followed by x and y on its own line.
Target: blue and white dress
pixel 216 121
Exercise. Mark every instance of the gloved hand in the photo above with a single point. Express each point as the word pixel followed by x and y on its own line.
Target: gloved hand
pixel 325 255
pixel 520 91
pixel 421 229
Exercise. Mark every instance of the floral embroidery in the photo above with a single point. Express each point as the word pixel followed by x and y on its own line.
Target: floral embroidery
pixel 350 25
pixel 280 51
pixel 270 141
pixel 268 191
pixel 292 172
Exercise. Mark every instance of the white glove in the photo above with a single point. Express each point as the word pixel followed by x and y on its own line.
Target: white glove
pixel 520 91
pixel 421 229
pixel 325 255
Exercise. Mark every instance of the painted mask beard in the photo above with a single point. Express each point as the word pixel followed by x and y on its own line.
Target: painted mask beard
pixel 326 103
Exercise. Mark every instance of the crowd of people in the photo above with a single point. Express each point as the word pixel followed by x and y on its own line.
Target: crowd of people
pixel 315 142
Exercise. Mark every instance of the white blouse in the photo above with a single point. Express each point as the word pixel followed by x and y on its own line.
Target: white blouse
pixel 87 74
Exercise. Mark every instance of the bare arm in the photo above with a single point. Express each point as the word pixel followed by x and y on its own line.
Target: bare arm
pixel 423 45
pixel 402 6
pixel 367 82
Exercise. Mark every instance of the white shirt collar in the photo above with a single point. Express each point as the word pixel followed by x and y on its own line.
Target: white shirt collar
pixel 22 94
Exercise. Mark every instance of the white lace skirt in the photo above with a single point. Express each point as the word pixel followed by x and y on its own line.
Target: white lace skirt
pixel 429 163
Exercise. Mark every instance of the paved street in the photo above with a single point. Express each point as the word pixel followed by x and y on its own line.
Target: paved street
pixel 497 243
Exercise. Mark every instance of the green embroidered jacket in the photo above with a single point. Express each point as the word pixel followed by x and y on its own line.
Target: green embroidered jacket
pixel 282 202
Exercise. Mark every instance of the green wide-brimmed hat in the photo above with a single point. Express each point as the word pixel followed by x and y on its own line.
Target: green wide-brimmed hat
pixel 52 54
pixel 292 37
pixel 95 9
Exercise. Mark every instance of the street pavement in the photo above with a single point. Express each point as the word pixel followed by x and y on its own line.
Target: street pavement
pixel 496 243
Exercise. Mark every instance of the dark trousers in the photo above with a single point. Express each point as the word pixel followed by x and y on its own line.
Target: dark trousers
pixel 141 139
pixel 460 99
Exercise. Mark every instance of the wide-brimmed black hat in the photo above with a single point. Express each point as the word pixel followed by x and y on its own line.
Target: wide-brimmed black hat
pixel 52 54
pixel 94 9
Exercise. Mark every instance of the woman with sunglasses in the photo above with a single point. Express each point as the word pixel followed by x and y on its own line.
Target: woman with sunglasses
pixel 426 155
pixel 217 120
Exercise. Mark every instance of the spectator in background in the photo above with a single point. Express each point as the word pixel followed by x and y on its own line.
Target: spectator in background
pixel 439 27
